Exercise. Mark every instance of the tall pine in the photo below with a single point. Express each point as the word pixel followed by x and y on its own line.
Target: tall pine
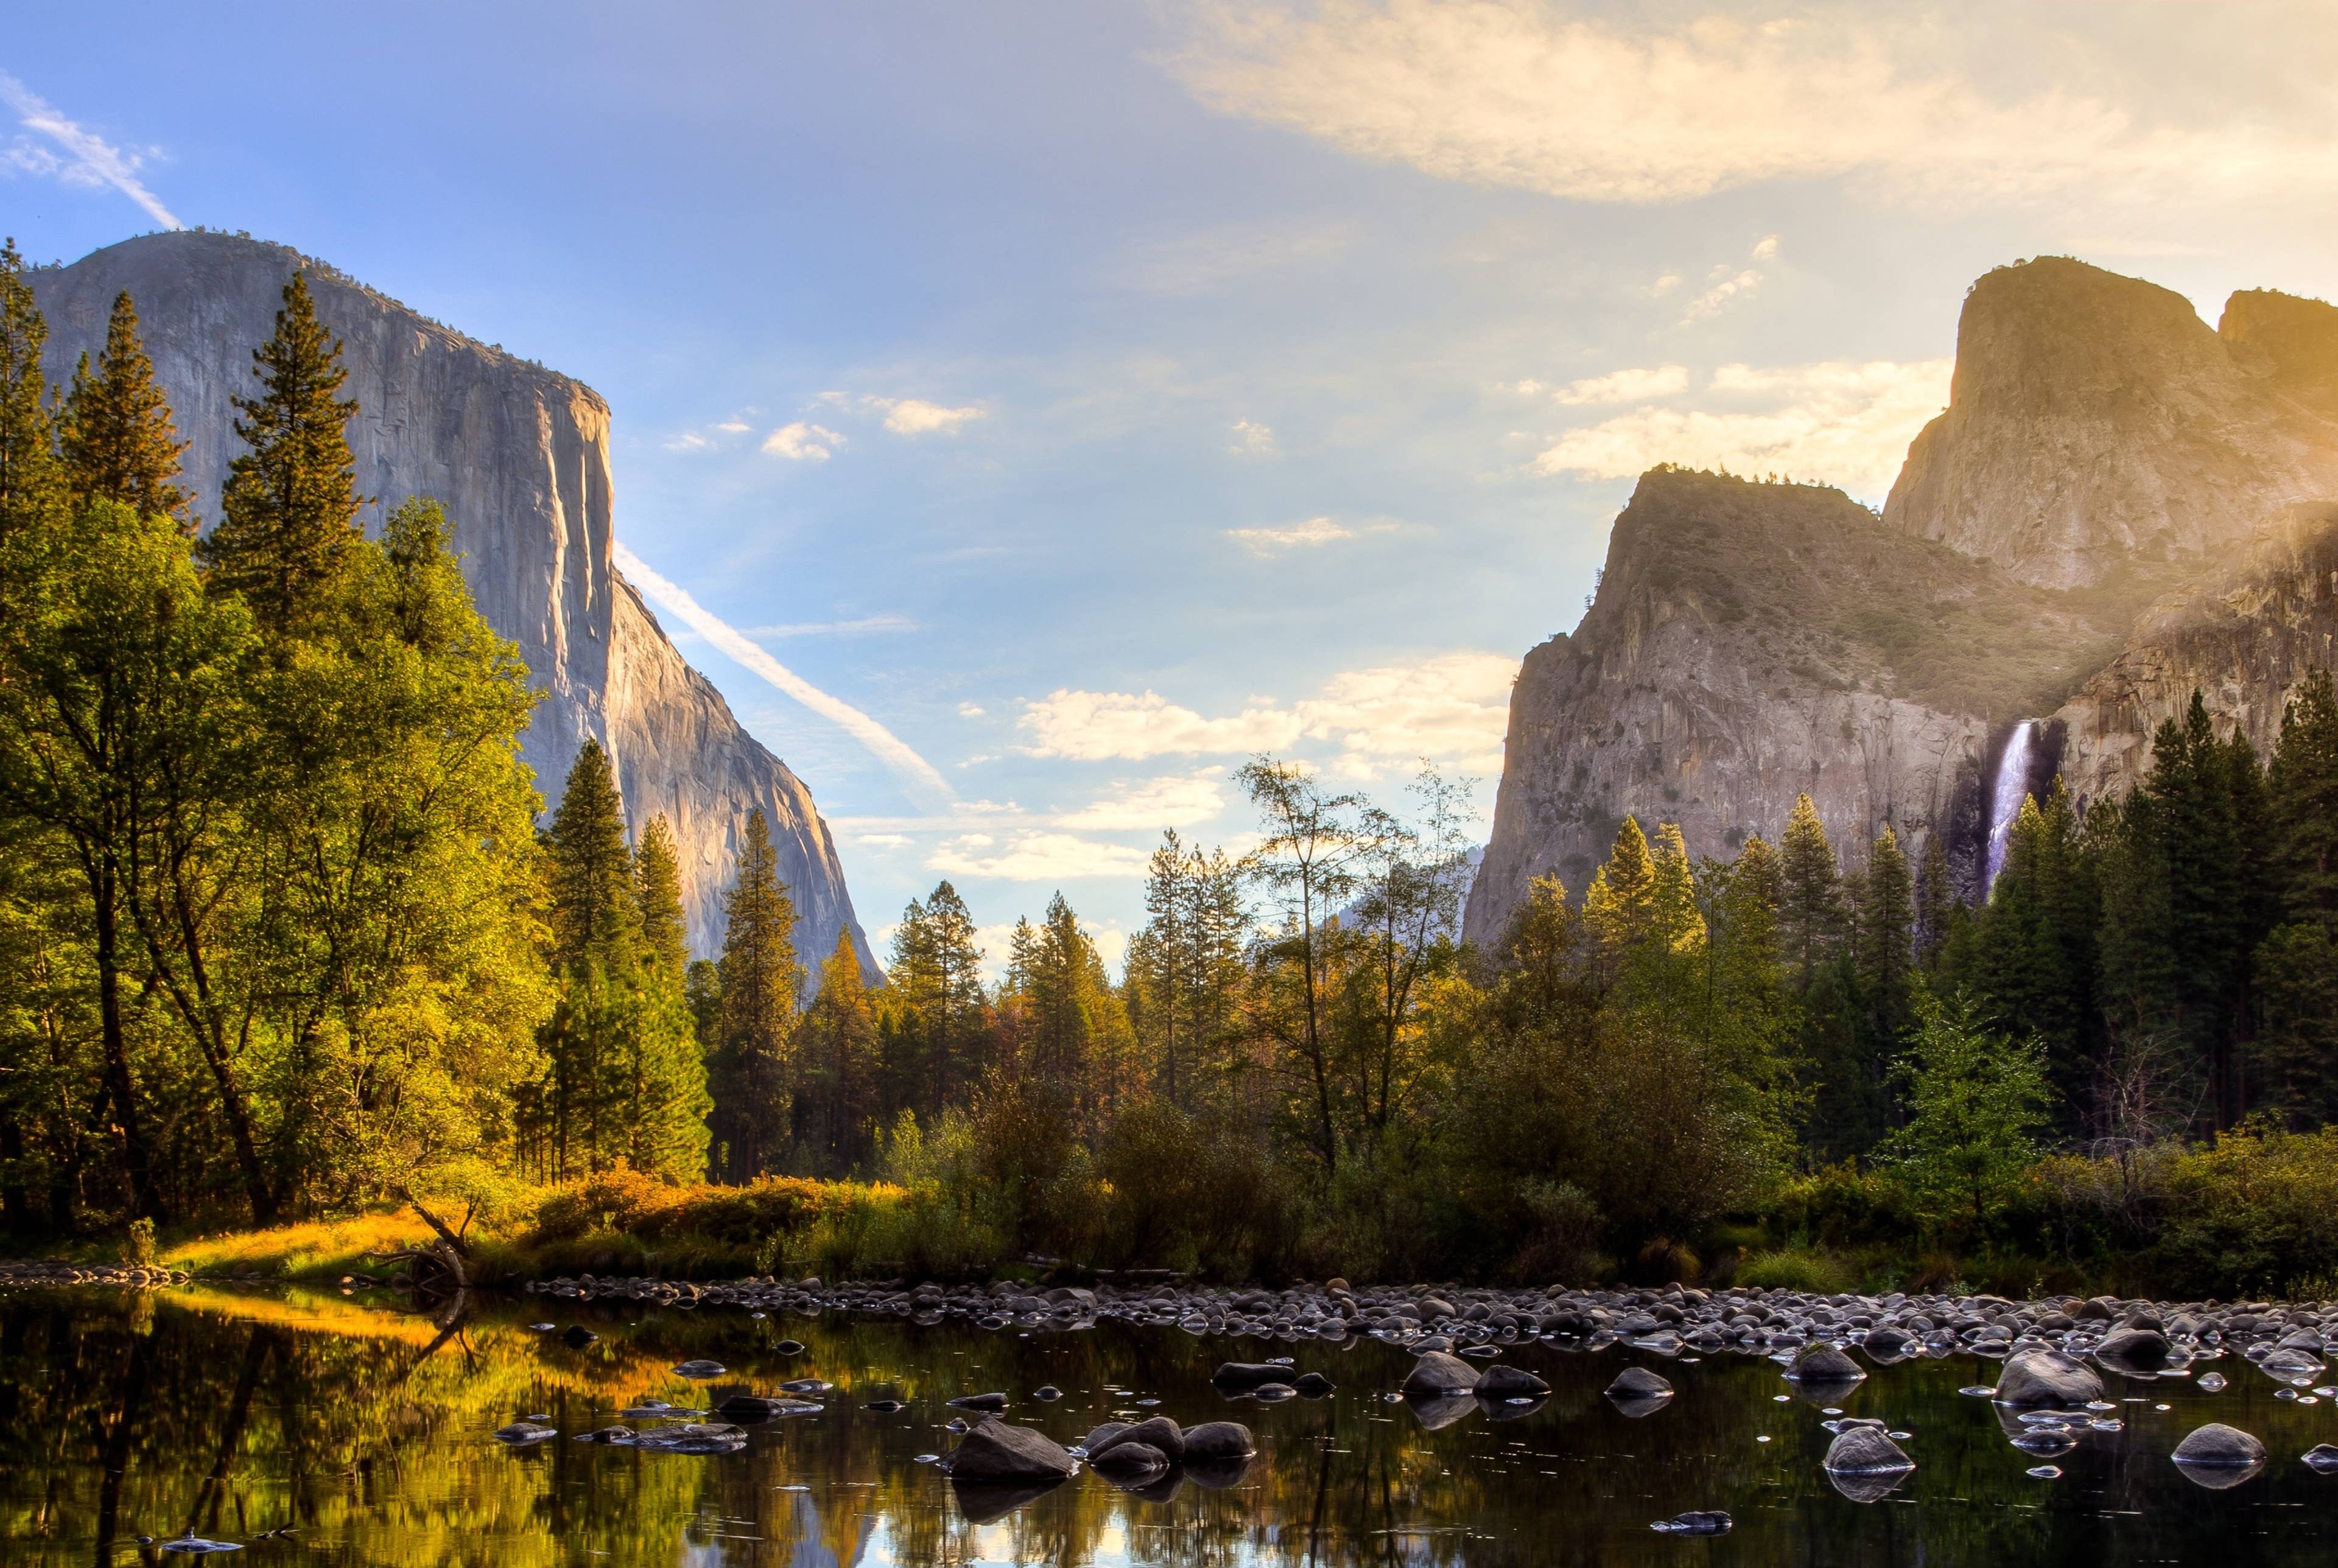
pixel 597 931
pixel 753 1066
pixel 114 434
pixel 30 488
pixel 288 513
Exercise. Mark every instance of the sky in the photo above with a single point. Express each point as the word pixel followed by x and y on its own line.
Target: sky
pixel 1025 412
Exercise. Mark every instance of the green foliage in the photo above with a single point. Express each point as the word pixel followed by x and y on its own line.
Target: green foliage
pixel 1976 1100
pixel 752 1060
pixel 114 434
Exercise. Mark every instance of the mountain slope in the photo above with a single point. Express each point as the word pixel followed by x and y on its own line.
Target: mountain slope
pixel 519 456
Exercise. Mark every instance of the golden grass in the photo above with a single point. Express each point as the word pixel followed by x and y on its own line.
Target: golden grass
pixel 308 1250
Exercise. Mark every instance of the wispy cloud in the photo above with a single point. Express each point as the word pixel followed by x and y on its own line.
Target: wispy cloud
pixel 906 415
pixel 1177 800
pixel 1846 423
pixel 1313 532
pixel 1252 438
pixel 1035 857
pixel 799 441
pixel 859 626
pixel 1451 708
pixel 1649 108
pixel 1619 385
pixel 888 748
pixel 71 154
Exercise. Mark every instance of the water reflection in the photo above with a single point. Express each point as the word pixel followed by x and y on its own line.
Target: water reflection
pixel 298 1425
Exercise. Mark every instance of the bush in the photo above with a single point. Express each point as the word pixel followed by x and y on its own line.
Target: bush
pixel 1805 1268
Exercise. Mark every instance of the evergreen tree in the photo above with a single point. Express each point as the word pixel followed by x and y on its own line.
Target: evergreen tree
pixel 30 486
pixel 1936 900
pixel 838 1052
pixel 1976 1101
pixel 752 1060
pixel 288 514
pixel 1619 907
pixel 2303 787
pixel 1675 922
pixel 115 436
pixel 1810 900
pixel 936 975
pixel 594 907
pixel 657 882
pixel 2294 1058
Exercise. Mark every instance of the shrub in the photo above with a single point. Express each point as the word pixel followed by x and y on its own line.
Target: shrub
pixel 1807 1268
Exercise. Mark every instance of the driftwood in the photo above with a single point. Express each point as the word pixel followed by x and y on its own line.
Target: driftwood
pixel 436 1270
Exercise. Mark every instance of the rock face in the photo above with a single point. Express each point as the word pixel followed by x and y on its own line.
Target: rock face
pixel 2096 422
pixel 2244 635
pixel 2120 506
pixel 519 457
pixel 1750 642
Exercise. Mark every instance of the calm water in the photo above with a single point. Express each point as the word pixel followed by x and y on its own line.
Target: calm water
pixel 368 1428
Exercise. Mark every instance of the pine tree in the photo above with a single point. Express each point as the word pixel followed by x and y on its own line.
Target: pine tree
pixel 114 435
pixel 1675 922
pixel 2294 1058
pixel 838 1051
pixel 1619 907
pixel 1936 900
pixel 2304 785
pixel 30 485
pixel 752 1055
pixel 592 1045
pixel 594 908
pixel 1887 930
pixel 288 514
pixel 1810 901
pixel 665 937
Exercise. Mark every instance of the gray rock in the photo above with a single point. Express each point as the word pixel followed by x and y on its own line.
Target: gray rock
pixel 520 1433
pixel 2144 1349
pixel 1218 1442
pixel 1250 1373
pixel 1507 1382
pixel 1637 1383
pixel 1823 1363
pixel 2323 1457
pixel 2219 1446
pixel 1000 1451
pixel 1129 1459
pixel 992 1402
pixel 699 1371
pixel 1438 1373
pixel 1157 1432
pixel 1865 1450
pixel 2043 1378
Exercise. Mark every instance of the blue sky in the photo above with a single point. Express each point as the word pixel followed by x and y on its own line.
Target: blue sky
pixel 1091 394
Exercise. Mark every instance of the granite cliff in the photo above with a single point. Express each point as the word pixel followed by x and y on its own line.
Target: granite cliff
pixel 2120 506
pixel 519 457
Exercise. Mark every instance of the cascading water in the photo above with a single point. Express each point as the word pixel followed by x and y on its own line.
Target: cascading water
pixel 2005 793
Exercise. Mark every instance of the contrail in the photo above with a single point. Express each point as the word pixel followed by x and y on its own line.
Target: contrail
pixel 889 747
pixel 88 160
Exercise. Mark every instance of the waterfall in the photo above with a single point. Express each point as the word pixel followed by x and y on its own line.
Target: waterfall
pixel 2005 793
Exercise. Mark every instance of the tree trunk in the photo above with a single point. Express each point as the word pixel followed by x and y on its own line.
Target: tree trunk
pixel 136 1168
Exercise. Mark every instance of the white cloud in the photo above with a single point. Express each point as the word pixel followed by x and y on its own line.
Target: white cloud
pixel 1176 801
pixel 73 155
pixel 689 441
pixel 799 441
pixel 888 748
pixel 734 426
pixel 1664 285
pixel 1846 423
pixel 859 626
pixel 1622 386
pixel 1035 857
pixel 1254 438
pixel 1522 94
pixel 884 840
pixel 970 710
pixel 1451 709
pixel 1766 248
pixel 1725 285
pixel 1315 530
pixel 905 415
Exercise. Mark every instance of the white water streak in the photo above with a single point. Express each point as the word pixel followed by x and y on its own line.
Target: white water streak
pixel 2006 792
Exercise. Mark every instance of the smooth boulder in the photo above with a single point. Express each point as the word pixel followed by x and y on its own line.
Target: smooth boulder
pixel 1218 1442
pixel 1158 1432
pixel 1823 1363
pixel 1866 1450
pixel 2046 1380
pixel 1245 1375
pixel 1438 1373
pixel 1637 1383
pixel 1507 1382
pixel 2218 1446
pixel 1000 1451
pixel 2144 1349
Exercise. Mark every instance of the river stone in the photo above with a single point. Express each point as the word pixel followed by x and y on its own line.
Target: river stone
pixel 2219 1446
pixel 1438 1373
pixel 2323 1457
pixel 1865 1450
pixel 1313 1386
pixel 576 1337
pixel 1098 1434
pixel 1241 1375
pixel 520 1433
pixel 1129 1459
pixel 1156 1432
pixel 700 1371
pixel 998 1450
pixel 2144 1350
pixel 757 1407
pixel 1712 1523
pixel 2047 1377
pixel 1215 1442
pixel 1507 1382
pixel 1822 1363
pixel 1634 1383
pixel 1888 1341
pixel 991 1402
